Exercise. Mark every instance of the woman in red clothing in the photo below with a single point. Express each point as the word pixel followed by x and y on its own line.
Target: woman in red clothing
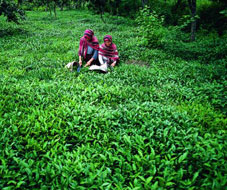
pixel 88 48
pixel 108 53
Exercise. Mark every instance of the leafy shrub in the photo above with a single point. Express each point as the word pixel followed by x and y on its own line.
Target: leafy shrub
pixel 9 9
pixel 150 28
pixel 152 33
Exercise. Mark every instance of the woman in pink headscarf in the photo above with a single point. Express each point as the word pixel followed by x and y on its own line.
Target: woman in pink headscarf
pixel 88 49
pixel 108 53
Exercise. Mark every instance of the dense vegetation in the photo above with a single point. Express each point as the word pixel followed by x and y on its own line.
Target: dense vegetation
pixel 158 121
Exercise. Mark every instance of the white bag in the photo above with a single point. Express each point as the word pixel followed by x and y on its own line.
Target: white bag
pixel 70 66
pixel 102 68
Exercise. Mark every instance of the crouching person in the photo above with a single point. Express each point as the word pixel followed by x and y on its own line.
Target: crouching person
pixel 108 53
pixel 88 48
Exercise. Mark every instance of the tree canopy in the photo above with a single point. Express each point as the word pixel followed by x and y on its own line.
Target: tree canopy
pixel 9 9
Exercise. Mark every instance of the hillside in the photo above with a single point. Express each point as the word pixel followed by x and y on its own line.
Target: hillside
pixel 156 122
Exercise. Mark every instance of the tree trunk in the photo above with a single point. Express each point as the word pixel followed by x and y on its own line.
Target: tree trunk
pixel 62 7
pixel 49 7
pixel 55 14
pixel 78 4
pixel 192 5
pixel 174 11
pixel 178 4
pixel 144 2
pixel 19 3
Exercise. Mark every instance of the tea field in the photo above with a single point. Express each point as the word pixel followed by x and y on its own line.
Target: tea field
pixel 156 121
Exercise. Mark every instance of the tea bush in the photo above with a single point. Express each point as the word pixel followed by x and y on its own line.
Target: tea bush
pixel 156 122
pixel 150 27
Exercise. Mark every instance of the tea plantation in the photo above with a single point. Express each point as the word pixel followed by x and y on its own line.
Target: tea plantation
pixel 157 121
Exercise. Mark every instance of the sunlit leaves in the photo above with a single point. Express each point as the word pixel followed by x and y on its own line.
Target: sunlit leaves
pixel 138 127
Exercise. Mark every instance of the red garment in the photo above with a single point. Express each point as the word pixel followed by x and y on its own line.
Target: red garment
pixel 84 43
pixel 109 51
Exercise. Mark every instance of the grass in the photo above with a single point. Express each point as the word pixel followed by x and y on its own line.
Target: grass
pixel 159 124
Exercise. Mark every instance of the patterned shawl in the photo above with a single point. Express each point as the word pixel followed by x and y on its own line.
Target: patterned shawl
pixel 109 51
pixel 84 43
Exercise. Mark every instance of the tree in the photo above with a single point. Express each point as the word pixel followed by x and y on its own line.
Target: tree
pixel 63 3
pixel 19 3
pixel 144 2
pixel 51 5
pixel 78 3
pixel 98 6
pixel 9 9
pixel 192 6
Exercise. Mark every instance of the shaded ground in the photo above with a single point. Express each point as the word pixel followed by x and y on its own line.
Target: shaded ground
pixel 137 62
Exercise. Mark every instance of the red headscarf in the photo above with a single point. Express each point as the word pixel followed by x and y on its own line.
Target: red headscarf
pixel 88 40
pixel 109 51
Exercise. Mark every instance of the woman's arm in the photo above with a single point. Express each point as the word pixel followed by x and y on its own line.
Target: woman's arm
pixel 94 57
pixel 89 62
pixel 80 60
pixel 114 63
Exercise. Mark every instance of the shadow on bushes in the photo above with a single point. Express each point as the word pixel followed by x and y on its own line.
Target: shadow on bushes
pixel 12 32
pixel 205 50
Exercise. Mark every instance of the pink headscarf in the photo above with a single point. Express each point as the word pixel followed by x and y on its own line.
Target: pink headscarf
pixel 84 43
pixel 109 51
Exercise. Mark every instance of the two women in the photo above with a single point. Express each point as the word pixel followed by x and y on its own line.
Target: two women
pixel 93 54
